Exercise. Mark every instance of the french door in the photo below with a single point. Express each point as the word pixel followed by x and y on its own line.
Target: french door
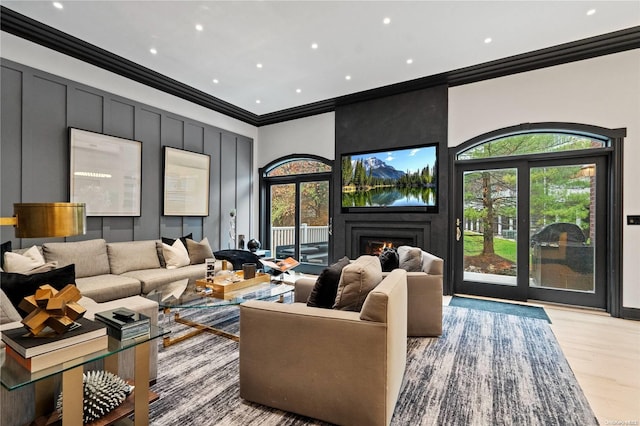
pixel 295 210
pixel 532 229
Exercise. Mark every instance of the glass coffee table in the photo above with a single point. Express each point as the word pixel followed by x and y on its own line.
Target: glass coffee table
pixel 194 297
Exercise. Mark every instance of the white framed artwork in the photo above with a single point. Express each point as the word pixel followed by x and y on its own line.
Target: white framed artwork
pixel 186 183
pixel 105 173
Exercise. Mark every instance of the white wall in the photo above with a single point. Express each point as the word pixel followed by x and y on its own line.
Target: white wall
pixel 603 91
pixel 309 135
pixel 33 55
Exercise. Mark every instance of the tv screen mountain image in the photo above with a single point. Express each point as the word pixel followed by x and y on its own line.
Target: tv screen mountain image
pixel 391 178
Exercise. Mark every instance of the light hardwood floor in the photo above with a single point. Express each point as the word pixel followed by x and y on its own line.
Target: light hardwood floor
pixel 604 354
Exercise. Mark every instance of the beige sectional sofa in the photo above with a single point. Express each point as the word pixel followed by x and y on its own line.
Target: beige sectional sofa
pixel 109 271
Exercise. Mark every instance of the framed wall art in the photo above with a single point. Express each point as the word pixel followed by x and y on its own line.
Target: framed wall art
pixel 186 183
pixel 105 173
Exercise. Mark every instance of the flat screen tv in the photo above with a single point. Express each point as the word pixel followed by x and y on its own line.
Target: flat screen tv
pixel 391 180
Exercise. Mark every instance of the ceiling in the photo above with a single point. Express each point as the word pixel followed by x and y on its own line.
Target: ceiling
pixel 351 36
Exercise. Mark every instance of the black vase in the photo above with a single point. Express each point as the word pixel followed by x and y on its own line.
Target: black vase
pixel 253 245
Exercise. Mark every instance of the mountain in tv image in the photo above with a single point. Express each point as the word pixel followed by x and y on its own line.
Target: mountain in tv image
pixel 379 169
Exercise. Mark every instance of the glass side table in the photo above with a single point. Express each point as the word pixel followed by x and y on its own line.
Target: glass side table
pixel 14 376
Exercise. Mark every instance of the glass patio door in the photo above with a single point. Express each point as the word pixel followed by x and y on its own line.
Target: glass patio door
pixel 531 231
pixel 566 232
pixel 299 223
pixel 487 233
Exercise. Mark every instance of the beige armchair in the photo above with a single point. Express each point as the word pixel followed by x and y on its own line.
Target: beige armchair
pixel 424 290
pixel 338 366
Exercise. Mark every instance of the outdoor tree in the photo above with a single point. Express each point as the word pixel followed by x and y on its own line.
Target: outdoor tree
pixel 557 193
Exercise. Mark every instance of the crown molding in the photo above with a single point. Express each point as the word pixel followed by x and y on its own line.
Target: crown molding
pixel 44 35
pixel 37 32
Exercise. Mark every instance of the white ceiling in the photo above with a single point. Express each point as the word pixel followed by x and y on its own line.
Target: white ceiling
pixel 352 39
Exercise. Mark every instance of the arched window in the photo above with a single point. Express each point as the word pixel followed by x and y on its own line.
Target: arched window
pixel 295 210
pixel 529 144
pixel 297 166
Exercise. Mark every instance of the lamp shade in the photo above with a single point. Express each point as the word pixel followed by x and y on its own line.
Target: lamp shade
pixel 38 220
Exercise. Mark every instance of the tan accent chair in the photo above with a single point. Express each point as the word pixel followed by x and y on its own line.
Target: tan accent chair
pixel 338 366
pixel 424 289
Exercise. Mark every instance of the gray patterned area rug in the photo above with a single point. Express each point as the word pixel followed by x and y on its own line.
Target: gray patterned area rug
pixel 486 369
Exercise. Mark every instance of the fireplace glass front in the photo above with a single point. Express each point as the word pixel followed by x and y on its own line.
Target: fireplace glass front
pixel 373 245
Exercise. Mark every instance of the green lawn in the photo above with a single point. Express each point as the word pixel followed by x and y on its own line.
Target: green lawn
pixel 503 248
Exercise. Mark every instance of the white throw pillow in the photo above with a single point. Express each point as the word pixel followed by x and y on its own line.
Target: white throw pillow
pixel 175 255
pixel 21 263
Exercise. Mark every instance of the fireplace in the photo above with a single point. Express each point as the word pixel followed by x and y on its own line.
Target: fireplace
pixel 373 245
pixel 371 237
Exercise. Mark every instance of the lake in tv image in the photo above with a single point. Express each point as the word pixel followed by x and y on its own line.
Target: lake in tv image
pixel 391 178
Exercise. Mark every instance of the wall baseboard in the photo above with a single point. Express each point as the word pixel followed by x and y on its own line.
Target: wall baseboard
pixel 630 313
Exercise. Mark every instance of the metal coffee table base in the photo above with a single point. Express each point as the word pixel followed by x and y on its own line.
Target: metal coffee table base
pixel 199 329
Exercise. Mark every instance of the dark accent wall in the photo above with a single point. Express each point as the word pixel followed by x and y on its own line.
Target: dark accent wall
pixel 418 117
pixel 38 108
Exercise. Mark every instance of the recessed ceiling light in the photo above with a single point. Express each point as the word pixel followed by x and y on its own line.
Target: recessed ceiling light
pixel 58 5
pixel 298 90
pixel 591 12
pixel 257 101
pixel 409 61
pixel 259 65
pixel 314 45
pixel 488 40
pixel 386 21
pixel 347 77
pixel 153 51
pixel 199 27
pixel 215 81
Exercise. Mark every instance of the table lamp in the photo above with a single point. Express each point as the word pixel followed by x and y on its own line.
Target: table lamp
pixel 41 220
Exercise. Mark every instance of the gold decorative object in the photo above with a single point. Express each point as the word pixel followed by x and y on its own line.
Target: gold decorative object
pixel 223 285
pixel 40 220
pixel 53 308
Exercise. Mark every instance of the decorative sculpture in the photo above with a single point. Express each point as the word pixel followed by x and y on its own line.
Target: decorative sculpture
pixel 232 229
pixel 53 308
pixel 102 392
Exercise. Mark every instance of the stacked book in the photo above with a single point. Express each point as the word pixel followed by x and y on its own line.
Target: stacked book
pixel 45 350
pixel 123 323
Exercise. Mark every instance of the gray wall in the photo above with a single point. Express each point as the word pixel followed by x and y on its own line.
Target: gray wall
pixel 36 110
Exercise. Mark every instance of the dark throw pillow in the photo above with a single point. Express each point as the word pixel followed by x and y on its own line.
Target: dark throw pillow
pixel 170 241
pixel 324 291
pixel 18 286
pixel 389 259
pixel 4 247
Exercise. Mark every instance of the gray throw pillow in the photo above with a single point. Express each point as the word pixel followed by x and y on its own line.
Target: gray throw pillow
pixel 198 252
pixel 357 280
pixel 410 258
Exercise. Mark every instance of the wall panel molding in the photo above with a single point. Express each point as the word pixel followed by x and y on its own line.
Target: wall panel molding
pixel 43 106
